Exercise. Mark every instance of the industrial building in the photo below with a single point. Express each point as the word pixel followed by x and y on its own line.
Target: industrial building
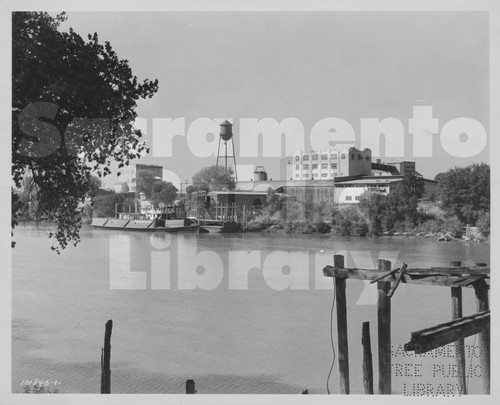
pixel 327 164
pixel 130 177
pixel 382 177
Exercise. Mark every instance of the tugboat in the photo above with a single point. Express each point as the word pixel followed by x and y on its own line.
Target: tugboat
pixel 171 218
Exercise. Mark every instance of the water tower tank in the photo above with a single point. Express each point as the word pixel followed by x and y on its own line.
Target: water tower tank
pixel 226 130
pixel 260 174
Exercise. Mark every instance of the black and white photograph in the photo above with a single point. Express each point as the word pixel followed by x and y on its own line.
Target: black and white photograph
pixel 215 202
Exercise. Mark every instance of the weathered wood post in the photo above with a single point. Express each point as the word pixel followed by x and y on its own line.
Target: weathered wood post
pixel 384 330
pixel 343 347
pixel 190 387
pixel 482 301
pixel 367 359
pixel 106 359
pixel 456 312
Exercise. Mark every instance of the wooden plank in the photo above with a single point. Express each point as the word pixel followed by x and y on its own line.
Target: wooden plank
pixel 371 274
pixel 411 276
pixel 384 331
pixel 456 313
pixel 331 271
pixel 444 281
pixel 482 301
pixel 390 273
pixel 431 338
pixel 398 280
pixel 367 359
pixel 452 270
pixel 468 281
pixel 343 347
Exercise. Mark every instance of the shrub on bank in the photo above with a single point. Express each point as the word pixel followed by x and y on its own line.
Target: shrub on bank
pixel 483 223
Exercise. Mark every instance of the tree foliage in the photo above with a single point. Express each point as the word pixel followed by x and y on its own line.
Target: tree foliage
pixel 146 182
pixel 164 193
pixel 213 178
pixel 465 192
pixel 413 185
pixel 73 107
pixel 156 190
pixel 105 202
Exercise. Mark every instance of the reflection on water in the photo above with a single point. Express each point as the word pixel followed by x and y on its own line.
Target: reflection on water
pixel 245 333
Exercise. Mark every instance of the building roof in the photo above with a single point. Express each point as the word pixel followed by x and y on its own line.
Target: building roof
pixel 238 192
pixel 263 186
pixel 374 180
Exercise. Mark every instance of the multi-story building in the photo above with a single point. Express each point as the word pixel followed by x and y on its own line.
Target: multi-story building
pixel 329 164
pixel 131 174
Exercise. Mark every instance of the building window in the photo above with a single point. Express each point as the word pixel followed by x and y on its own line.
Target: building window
pixel 333 165
pixel 297 158
pixel 360 156
pixel 314 157
pixel 368 158
pixel 342 156
pixel 306 167
pixel 357 198
pixel 348 198
pixel 324 165
pixel 297 176
pixel 323 175
pixel 305 158
pixel 306 176
pixel 352 156
pixel 315 166
pixel 335 174
pixel 297 167
pixel 324 157
pixel 315 175
pixel 335 156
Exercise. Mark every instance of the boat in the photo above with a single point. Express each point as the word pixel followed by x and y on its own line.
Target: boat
pixel 215 226
pixel 168 219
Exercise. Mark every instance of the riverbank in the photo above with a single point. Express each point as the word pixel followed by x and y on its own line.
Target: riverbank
pixel 326 229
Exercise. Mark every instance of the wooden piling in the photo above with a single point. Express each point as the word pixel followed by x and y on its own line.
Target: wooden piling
pixel 456 305
pixel 190 387
pixel 456 312
pixel 384 331
pixel 106 360
pixel 343 347
pixel 482 301
pixel 367 359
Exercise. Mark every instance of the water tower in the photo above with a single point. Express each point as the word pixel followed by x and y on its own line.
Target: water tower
pixel 226 135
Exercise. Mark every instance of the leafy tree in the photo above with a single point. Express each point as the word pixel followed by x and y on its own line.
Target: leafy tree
pixel 165 193
pixel 104 203
pixel 147 183
pixel 483 223
pixel 465 192
pixel 373 205
pixel 348 221
pixel 413 185
pixel 213 178
pixel 73 107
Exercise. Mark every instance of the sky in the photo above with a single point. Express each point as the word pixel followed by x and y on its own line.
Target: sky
pixel 305 65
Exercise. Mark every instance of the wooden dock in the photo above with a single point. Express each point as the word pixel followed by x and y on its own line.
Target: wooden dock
pixel 455 277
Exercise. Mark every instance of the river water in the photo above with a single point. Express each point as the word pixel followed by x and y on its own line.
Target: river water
pixel 222 310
